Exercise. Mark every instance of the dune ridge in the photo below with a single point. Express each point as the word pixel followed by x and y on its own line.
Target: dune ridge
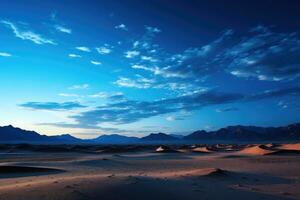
pixel 257 150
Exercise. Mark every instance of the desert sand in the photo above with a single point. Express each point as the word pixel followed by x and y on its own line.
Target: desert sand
pixel 149 172
pixel 295 146
pixel 258 150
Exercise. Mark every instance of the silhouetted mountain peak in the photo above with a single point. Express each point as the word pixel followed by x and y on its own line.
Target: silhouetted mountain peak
pixel 158 137
pixel 249 133
pixel 201 134
pixel 114 139
pixel 66 138
pixel 10 134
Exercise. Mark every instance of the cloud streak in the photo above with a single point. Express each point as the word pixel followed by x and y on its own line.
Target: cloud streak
pixel 106 49
pixel 126 111
pixel 265 55
pixel 72 55
pixel 228 109
pixel 121 27
pixel 260 54
pixel 63 29
pixel 96 62
pixel 120 110
pixel 141 83
pixel 4 54
pixel 79 87
pixel 52 106
pixel 84 49
pixel 131 54
pixel 27 34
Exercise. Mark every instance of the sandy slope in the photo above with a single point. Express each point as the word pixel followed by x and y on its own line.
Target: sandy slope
pixel 201 150
pixel 295 146
pixel 149 175
pixel 257 150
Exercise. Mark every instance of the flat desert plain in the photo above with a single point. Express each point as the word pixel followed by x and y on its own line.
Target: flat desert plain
pixel 70 172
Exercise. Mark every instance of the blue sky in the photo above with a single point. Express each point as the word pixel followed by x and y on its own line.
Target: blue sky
pixel 134 67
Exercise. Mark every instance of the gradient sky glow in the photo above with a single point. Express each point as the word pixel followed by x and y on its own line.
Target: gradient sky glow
pixel 133 67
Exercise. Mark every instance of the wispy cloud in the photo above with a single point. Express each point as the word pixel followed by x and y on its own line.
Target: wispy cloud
pixel 128 111
pixel 68 95
pixel 99 95
pixel 4 54
pixel 72 55
pixel 174 118
pixel 104 50
pixel 63 29
pixel 282 105
pixel 82 48
pixel 131 54
pixel 263 54
pixel 139 83
pixel 149 58
pixel 170 118
pixel 122 27
pixel 259 53
pixel 192 62
pixel 79 87
pixel 292 91
pixel 58 25
pixel 52 105
pixel 115 96
pixel 120 110
pixel 152 29
pixel 27 34
pixel 227 109
pixel 96 62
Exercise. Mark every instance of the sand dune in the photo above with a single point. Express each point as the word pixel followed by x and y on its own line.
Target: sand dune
pixel 209 172
pixel 201 150
pixel 271 149
pixel 257 150
pixel 271 145
pixel 188 173
pixel 144 174
pixel 295 146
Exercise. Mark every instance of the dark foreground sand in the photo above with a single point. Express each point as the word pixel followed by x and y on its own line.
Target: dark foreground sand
pixel 135 173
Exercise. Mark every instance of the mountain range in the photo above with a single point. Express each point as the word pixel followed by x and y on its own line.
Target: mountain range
pixel 10 134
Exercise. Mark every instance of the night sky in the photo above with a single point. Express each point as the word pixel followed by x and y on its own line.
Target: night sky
pixel 133 67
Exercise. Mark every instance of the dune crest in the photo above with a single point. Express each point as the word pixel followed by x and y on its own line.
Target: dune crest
pixel 257 150
pixel 190 173
pixel 201 150
pixel 295 146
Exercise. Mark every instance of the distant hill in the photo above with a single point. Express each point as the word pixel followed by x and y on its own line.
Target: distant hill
pixel 249 133
pixel 177 136
pixel 67 138
pixel 158 138
pixel 115 139
pixel 198 135
pixel 10 134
